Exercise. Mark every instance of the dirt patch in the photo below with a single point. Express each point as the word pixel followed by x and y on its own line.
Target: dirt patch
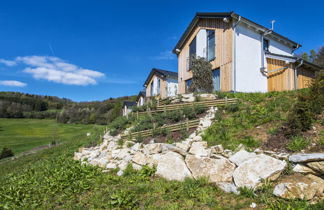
pixel 276 142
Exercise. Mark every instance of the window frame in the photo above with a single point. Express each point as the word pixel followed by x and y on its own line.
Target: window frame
pixel 267 46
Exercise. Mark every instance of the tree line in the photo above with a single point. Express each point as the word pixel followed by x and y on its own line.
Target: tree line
pixel 314 56
pixel 21 105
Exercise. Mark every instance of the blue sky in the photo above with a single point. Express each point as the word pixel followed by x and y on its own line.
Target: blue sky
pixel 94 49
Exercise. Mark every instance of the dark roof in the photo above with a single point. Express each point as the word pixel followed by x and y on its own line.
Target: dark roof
pixel 298 60
pixel 129 103
pixel 200 15
pixel 164 74
pixel 141 93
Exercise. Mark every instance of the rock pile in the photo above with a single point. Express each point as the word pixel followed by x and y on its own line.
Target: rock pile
pixel 194 159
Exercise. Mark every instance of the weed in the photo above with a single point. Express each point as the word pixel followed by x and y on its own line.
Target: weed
pixel 250 142
pixel 298 143
pixel 139 138
pixel 120 142
pixel 247 192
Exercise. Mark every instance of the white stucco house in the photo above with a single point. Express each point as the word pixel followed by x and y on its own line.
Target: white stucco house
pixel 245 56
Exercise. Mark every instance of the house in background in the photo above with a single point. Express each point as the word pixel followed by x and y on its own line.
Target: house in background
pixel 140 100
pixel 161 84
pixel 128 107
pixel 245 56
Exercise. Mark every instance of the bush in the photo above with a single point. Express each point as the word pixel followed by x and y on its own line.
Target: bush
pixel 201 76
pixel 6 152
pixel 297 143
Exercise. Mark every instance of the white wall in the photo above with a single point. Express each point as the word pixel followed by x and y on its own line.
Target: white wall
pixel 201 43
pixel 155 85
pixel 172 87
pixel 248 59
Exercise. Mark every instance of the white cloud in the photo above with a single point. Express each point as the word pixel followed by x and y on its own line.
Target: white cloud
pixel 12 83
pixel 165 55
pixel 57 70
pixel 7 62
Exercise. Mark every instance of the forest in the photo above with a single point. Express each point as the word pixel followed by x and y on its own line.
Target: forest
pixel 22 105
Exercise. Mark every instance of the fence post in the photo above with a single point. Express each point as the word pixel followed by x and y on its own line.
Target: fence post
pixel 164 108
pixel 137 115
pixel 158 102
pixel 225 100
pixel 187 124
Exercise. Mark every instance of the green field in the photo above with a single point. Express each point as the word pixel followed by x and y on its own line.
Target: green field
pixel 22 135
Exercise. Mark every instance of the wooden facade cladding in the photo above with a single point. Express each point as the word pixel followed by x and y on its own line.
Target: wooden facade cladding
pixel 223 52
pixel 304 77
pixel 280 80
pixel 283 80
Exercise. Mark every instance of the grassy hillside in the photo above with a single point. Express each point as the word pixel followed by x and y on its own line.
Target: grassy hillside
pixel 51 179
pixel 25 134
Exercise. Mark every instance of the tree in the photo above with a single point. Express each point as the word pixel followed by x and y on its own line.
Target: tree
pixel 319 60
pixel 305 56
pixel 201 76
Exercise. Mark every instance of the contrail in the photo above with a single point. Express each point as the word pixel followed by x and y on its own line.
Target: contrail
pixel 50 46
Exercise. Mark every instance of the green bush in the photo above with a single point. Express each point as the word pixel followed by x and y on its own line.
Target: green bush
pixel 6 152
pixel 298 143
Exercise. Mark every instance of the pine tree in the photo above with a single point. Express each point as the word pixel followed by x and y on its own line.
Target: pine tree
pixel 320 57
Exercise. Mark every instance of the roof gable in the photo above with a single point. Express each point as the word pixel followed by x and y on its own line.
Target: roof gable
pixel 230 15
pixel 163 74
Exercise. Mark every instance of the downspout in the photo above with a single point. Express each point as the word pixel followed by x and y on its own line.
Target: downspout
pixel 262 50
pixel 234 54
pixel 295 75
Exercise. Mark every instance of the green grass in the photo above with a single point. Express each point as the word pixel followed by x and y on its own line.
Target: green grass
pixel 254 109
pixel 51 179
pixel 22 135
pixel 298 143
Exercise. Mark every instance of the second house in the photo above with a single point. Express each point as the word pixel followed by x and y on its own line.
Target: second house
pixel 161 84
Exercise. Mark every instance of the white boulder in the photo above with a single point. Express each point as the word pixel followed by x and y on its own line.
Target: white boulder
pixel 251 172
pixel 172 167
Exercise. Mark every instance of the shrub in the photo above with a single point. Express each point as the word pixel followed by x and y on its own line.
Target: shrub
pixel 6 152
pixel 201 76
pixel 297 143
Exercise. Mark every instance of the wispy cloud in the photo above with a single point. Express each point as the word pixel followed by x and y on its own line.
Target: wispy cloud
pixel 8 62
pixel 56 70
pixel 165 55
pixel 12 83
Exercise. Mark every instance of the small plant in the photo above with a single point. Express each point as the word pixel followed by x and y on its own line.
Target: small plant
pixel 113 132
pixel 120 142
pixel 246 192
pixel 146 172
pixel 273 131
pixel 297 143
pixel 139 138
pixel 6 152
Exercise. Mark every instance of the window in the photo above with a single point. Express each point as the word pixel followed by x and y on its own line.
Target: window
pixel 188 84
pixel 266 45
pixel 192 48
pixel 152 85
pixel 158 86
pixel 210 45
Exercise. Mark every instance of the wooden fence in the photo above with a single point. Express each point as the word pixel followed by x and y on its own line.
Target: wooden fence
pixel 174 127
pixel 171 107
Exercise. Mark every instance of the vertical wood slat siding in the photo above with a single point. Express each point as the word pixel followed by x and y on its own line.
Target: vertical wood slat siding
pixel 304 77
pixel 223 52
pixel 280 80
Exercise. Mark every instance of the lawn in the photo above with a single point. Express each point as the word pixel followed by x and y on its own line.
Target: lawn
pixel 22 135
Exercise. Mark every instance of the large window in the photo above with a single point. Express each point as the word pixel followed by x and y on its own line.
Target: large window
pixel 192 48
pixel 210 45
pixel 158 86
pixel 152 86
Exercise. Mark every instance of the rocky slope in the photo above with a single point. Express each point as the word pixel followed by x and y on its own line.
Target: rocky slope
pixel 228 169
